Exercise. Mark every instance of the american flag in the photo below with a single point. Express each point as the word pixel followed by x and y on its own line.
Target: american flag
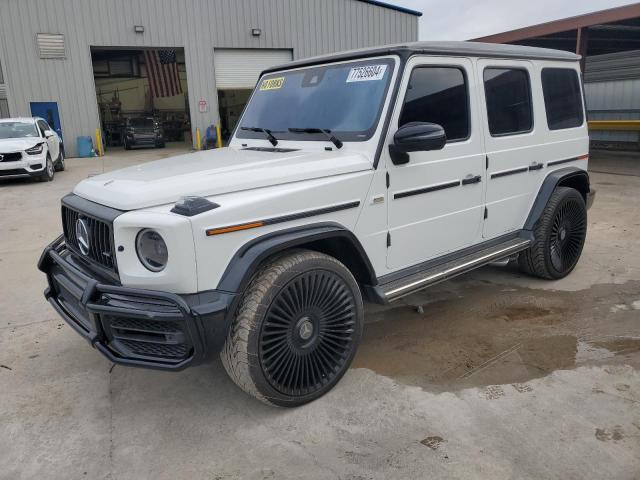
pixel 162 70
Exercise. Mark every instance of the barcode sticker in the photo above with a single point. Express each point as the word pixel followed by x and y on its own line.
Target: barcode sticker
pixel 366 73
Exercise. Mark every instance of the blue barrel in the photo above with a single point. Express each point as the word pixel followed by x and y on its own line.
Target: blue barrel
pixel 85 147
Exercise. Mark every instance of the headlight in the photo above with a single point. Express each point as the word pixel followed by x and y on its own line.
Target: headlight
pixel 35 150
pixel 151 250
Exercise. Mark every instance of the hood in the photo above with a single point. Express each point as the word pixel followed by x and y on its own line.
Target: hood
pixel 8 145
pixel 213 172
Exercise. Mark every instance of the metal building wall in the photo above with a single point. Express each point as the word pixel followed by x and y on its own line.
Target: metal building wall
pixel 308 27
pixel 612 88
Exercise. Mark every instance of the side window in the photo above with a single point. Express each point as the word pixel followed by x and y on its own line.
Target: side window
pixel 562 98
pixel 508 96
pixel 42 126
pixel 438 95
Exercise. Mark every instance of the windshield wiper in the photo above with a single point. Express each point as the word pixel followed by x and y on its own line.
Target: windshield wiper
pixel 327 133
pixel 267 133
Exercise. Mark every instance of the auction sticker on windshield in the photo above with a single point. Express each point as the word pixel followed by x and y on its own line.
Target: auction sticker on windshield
pixel 366 73
pixel 272 83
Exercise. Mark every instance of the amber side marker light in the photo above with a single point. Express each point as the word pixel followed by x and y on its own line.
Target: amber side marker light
pixel 233 228
pixel 584 157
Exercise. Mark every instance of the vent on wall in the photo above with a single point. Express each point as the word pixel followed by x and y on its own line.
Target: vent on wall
pixel 50 45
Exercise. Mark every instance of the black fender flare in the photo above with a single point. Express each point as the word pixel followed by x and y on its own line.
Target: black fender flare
pixel 248 258
pixel 570 176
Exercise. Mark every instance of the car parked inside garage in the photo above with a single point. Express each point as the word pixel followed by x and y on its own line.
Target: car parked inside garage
pixel 365 175
pixel 29 147
pixel 142 132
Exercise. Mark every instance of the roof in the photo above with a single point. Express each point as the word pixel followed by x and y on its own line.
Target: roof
pixel 571 23
pixel 393 7
pixel 19 119
pixel 465 49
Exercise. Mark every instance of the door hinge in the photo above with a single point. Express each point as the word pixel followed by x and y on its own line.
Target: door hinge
pixel 486 212
pixel 388 239
pixel 486 160
pixel 388 180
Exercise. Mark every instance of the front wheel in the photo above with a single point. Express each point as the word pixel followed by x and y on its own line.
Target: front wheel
pixel 559 236
pixel 296 331
pixel 48 172
pixel 60 163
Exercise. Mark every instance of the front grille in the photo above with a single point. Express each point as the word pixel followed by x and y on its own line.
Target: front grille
pixel 11 157
pixel 100 238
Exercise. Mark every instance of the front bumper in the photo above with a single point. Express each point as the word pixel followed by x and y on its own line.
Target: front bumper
pixel 27 166
pixel 129 326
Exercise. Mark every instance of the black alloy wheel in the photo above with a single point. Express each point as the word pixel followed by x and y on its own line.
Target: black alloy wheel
pixel 308 333
pixel 559 236
pixel 296 330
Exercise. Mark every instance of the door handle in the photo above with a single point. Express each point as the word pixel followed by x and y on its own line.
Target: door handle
pixel 535 166
pixel 470 179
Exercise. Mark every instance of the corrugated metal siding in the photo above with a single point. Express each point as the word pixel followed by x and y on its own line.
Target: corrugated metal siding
pixel 614 100
pixel 612 66
pixel 240 68
pixel 308 27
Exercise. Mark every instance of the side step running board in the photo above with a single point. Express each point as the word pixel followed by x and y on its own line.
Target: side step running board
pixel 425 278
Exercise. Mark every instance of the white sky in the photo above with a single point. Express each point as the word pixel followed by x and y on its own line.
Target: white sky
pixel 466 19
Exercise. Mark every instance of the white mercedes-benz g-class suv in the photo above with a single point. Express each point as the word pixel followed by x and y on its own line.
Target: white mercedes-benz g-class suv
pixel 368 174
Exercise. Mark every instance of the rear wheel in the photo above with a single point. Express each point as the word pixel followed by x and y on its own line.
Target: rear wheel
pixel 559 236
pixel 296 330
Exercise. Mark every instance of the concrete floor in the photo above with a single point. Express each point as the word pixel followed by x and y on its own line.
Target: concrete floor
pixel 501 376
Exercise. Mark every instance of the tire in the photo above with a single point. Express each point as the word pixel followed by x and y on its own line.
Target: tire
pixel 48 172
pixel 296 330
pixel 559 236
pixel 60 162
pixel 126 145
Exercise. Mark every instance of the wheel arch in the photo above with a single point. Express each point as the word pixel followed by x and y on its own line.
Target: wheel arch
pixel 565 177
pixel 330 238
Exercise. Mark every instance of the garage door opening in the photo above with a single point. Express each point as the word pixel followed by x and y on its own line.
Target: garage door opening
pixel 142 97
pixel 237 71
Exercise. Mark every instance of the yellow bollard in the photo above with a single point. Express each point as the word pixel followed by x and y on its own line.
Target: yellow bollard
pixel 198 139
pixel 99 143
pixel 218 137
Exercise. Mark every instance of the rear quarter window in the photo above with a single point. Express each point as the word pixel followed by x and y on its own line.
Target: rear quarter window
pixel 562 98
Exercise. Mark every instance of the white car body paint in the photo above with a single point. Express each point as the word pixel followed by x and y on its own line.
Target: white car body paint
pixel 30 164
pixel 251 186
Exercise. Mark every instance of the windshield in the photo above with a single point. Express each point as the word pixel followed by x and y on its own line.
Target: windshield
pixel 344 98
pixel 141 122
pixel 18 130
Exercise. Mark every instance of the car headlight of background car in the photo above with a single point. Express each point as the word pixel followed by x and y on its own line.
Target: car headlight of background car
pixel 152 250
pixel 35 150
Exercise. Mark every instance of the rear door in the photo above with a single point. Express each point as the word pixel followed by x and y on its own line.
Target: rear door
pixel 511 138
pixel 435 201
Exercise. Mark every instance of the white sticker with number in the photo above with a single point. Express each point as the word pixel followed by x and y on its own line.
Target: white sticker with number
pixel 366 73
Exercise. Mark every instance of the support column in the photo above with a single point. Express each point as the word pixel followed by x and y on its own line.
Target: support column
pixel 582 40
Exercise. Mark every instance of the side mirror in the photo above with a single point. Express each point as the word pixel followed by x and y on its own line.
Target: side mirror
pixel 416 137
pixel 49 133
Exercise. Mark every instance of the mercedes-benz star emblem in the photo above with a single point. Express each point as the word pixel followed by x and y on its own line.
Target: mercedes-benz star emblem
pixel 82 234
pixel 1 157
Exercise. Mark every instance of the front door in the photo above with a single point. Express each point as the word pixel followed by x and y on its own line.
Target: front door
pixel 435 201
pixel 48 111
